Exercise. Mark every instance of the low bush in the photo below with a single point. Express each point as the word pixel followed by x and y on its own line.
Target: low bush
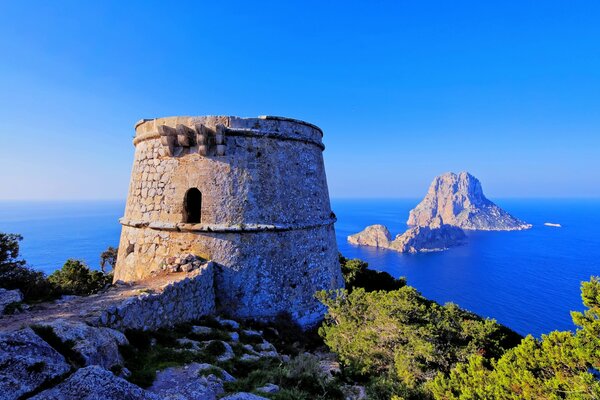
pixel 358 275
pixel 14 274
pixel 562 365
pixel 76 278
pixel 402 334
pixel 73 278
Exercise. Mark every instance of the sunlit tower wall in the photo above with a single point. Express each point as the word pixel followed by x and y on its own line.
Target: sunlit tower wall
pixel 248 193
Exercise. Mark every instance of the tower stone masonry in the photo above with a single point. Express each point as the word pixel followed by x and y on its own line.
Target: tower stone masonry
pixel 249 194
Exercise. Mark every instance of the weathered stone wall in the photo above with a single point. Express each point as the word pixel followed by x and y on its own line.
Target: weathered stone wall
pixel 181 301
pixel 266 217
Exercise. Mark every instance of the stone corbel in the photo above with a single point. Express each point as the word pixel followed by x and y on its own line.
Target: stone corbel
pixel 220 139
pixel 185 136
pixel 202 139
pixel 168 138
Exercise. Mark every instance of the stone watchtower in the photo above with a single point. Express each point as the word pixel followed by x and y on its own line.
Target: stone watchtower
pixel 249 194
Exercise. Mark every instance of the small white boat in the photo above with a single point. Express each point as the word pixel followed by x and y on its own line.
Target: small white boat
pixel 552 224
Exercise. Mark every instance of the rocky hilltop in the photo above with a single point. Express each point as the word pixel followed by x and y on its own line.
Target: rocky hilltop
pixel 417 239
pixel 458 200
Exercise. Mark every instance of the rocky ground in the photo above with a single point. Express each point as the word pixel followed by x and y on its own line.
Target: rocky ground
pixel 212 358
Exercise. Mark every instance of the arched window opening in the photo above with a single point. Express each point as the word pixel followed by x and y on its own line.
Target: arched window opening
pixel 192 206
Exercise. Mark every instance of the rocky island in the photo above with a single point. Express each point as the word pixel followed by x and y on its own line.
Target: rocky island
pixel 453 202
pixel 458 200
pixel 417 239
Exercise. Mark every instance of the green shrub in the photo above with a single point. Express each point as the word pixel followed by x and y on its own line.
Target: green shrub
pixel 301 378
pixel 15 275
pixel 215 348
pixel 400 331
pixel 12 308
pixel 287 336
pixel 76 278
pixel 562 365
pixel 358 275
pixel 108 256
pixel 73 278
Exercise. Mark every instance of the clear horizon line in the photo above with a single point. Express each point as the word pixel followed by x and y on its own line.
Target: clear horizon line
pixel 6 200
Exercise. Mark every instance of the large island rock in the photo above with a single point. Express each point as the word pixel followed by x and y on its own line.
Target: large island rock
pixel 458 200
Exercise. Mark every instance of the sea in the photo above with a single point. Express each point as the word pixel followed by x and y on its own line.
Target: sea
pixel 528 280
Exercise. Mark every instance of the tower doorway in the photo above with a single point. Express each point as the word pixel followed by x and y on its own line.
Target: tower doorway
pixel 192 206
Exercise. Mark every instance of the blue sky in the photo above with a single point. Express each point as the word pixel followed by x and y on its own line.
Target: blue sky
pixel 509 91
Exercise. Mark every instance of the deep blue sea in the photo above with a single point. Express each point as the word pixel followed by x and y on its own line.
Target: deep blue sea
pixel 528 280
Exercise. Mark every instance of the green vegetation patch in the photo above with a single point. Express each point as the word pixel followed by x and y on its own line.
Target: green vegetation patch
pixel 74 277
pixel 358 275
pixel 301 378
pixel 13 308
pixel 562 365
pixel 215 348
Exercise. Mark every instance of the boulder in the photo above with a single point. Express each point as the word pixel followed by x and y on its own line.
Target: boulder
pixel 229 323
pixel 269 388
pixel 243 396
pixel 458 200
pixel 26 363
pixel 201 330
pixel 96 345
pixel 95 383
pixel 188 383
pixel 374 235
pixel 9 296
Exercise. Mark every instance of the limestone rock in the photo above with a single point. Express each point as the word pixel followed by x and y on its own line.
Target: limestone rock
pixel 354 392
pixel 9 296
pixel 243 396
pixel 188 383
pixel 374 235
pixel 95 383
pixel 458 200
pixel 97 346
pixel 26 363
pixel 269 388
pixel 424 239
pixel 415 240
pixel 229 323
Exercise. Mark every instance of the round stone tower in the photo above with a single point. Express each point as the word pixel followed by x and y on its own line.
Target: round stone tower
pixel 249 194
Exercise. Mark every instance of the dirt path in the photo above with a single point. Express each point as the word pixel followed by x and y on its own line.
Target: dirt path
pixel 86 308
